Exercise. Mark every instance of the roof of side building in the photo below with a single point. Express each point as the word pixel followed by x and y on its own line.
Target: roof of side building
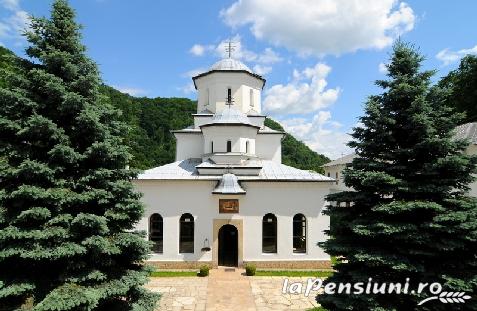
pixel 341 161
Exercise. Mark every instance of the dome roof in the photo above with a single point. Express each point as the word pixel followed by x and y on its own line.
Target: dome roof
pixel 230 64
pixel 230 115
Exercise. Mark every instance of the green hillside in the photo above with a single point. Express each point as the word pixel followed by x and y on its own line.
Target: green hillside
pixel 151 119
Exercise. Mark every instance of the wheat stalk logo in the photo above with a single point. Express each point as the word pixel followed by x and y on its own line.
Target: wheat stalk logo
pixel 448 297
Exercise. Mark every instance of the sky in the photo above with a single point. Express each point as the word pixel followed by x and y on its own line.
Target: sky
pixel 320 57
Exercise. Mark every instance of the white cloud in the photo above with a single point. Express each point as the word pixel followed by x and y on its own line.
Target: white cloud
pixel 306 92
pixel 321 134
pixel 12 26
pixel 267 56
pixel 448 57
pixel 383 68
pixel 323 26
pixel 262 70
pixel 261 61
pixel 189 88
pixel 11 5
pixel 131 90
pixel 199 49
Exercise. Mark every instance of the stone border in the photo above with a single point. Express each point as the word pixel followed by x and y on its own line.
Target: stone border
pixel 292 265
pixel 178 264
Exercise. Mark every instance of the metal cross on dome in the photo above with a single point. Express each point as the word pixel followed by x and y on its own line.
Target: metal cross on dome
pixel 229 48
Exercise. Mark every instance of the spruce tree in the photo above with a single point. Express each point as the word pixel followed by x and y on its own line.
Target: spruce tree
pixel 408 214
pixel 67 204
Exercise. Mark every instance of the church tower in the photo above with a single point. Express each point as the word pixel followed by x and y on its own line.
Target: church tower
pixel 229 135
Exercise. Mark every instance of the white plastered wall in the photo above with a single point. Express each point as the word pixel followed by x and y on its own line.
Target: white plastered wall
pixel 284 199
pixel 212 91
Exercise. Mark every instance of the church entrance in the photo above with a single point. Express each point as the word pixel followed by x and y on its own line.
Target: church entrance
pixel 228 246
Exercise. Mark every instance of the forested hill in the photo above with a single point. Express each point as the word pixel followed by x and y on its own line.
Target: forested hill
pixel 152 144
pixel 152 119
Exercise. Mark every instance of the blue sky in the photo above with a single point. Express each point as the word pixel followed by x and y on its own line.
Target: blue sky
pixel 320 57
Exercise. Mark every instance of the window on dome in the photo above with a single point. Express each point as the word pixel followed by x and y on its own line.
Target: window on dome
pixel 329 175
pixel 247 143
pixel 211 147
pixel 229 95
pixel 186 234
pixel 269 234
pixel 156 233
pixel 208 98
pixel 299 233
pixel 251 98
pixel 229 146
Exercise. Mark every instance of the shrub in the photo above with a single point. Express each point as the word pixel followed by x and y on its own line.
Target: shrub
pixel 204 270
pixel 250 269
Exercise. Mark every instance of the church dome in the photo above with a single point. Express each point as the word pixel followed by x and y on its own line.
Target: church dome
pixel 230 64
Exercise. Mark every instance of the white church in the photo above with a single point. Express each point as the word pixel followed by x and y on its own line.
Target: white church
pixel 227 200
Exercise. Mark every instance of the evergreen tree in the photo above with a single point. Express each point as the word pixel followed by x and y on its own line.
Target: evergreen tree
pixel 67 205
pixel 409 216
pixel 462 86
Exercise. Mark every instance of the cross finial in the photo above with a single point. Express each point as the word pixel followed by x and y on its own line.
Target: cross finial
pixel 229 48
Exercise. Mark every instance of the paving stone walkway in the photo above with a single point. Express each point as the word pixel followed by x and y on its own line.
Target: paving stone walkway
pixel 224 291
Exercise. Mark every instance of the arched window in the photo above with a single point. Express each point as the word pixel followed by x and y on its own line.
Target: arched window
pixel 229 146
pixel 269 234
pixel 156 233
pixel 186 234
pixel 247 146
pixel 299 233
pixel 251 98
pixel 211 147
pixel 337 180
pixel 329 175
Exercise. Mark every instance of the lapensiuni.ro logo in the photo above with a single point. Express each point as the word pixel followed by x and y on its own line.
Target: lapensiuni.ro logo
pixel 375 288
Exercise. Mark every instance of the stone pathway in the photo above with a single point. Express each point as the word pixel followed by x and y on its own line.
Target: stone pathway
pixel 267 291
pixel 224 291
pixel 229 291
pixel 180 293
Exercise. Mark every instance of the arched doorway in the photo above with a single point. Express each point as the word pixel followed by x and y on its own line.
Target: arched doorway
pixel 228 246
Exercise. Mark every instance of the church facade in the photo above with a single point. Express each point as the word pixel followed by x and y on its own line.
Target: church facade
pixel 227 199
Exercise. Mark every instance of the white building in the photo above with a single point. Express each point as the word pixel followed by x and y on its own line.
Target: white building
pixel 228 199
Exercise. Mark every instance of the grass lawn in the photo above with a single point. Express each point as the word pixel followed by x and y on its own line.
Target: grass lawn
pixel 293 273
pixel 318 309
pixel 163 274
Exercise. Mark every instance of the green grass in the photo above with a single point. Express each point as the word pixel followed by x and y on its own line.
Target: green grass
pixel 294 273
pixel 318 309
pixel 168 274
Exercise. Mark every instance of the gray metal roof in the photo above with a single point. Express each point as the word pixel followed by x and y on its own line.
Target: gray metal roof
pixel 271 171
pixel 467 131
pixel 341 161
pixel 229 115
pixel 228 184
pixel 230 64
